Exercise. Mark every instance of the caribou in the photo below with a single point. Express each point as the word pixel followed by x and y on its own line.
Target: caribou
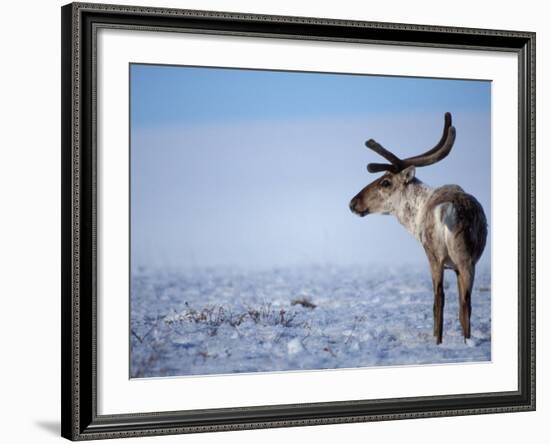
pixel 448 222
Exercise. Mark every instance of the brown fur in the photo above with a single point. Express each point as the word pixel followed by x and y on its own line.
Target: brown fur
pixel 459 252
pixel 470 228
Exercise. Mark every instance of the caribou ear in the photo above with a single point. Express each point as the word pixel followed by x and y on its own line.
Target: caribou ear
pixel 407 175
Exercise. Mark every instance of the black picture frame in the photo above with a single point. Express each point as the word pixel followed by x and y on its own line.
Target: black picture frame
pixel 79 211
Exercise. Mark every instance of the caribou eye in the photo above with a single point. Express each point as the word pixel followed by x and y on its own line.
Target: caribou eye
pixel 385 183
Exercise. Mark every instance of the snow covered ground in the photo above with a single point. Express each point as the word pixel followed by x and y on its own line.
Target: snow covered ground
pixel 215 321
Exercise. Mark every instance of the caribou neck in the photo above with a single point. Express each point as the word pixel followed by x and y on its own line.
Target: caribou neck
pixel 411 207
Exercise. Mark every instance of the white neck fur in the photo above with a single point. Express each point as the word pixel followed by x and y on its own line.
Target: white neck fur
pixel 409 207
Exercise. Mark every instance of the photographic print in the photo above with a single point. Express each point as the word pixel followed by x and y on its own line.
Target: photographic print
pixel 261 242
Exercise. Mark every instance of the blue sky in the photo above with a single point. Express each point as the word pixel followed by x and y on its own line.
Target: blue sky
pixel 256 168
pixel 163 95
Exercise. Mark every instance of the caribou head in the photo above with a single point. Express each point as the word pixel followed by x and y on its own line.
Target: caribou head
pixel 385 195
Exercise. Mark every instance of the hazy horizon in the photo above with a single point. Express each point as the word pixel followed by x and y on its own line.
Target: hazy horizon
pixel 255 169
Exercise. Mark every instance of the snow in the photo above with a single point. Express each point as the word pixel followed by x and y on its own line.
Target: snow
pixel 222 320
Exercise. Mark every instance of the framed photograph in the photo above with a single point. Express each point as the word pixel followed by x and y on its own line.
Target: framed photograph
pixel 280 221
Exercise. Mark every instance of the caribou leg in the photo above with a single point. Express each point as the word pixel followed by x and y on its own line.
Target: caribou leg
pixel 439 299
pixel 465 278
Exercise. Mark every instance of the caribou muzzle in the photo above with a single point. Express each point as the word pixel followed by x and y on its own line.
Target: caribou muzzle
pixel 354 207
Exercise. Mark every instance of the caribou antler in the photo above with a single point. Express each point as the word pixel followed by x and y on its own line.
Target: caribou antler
pixel 437 153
